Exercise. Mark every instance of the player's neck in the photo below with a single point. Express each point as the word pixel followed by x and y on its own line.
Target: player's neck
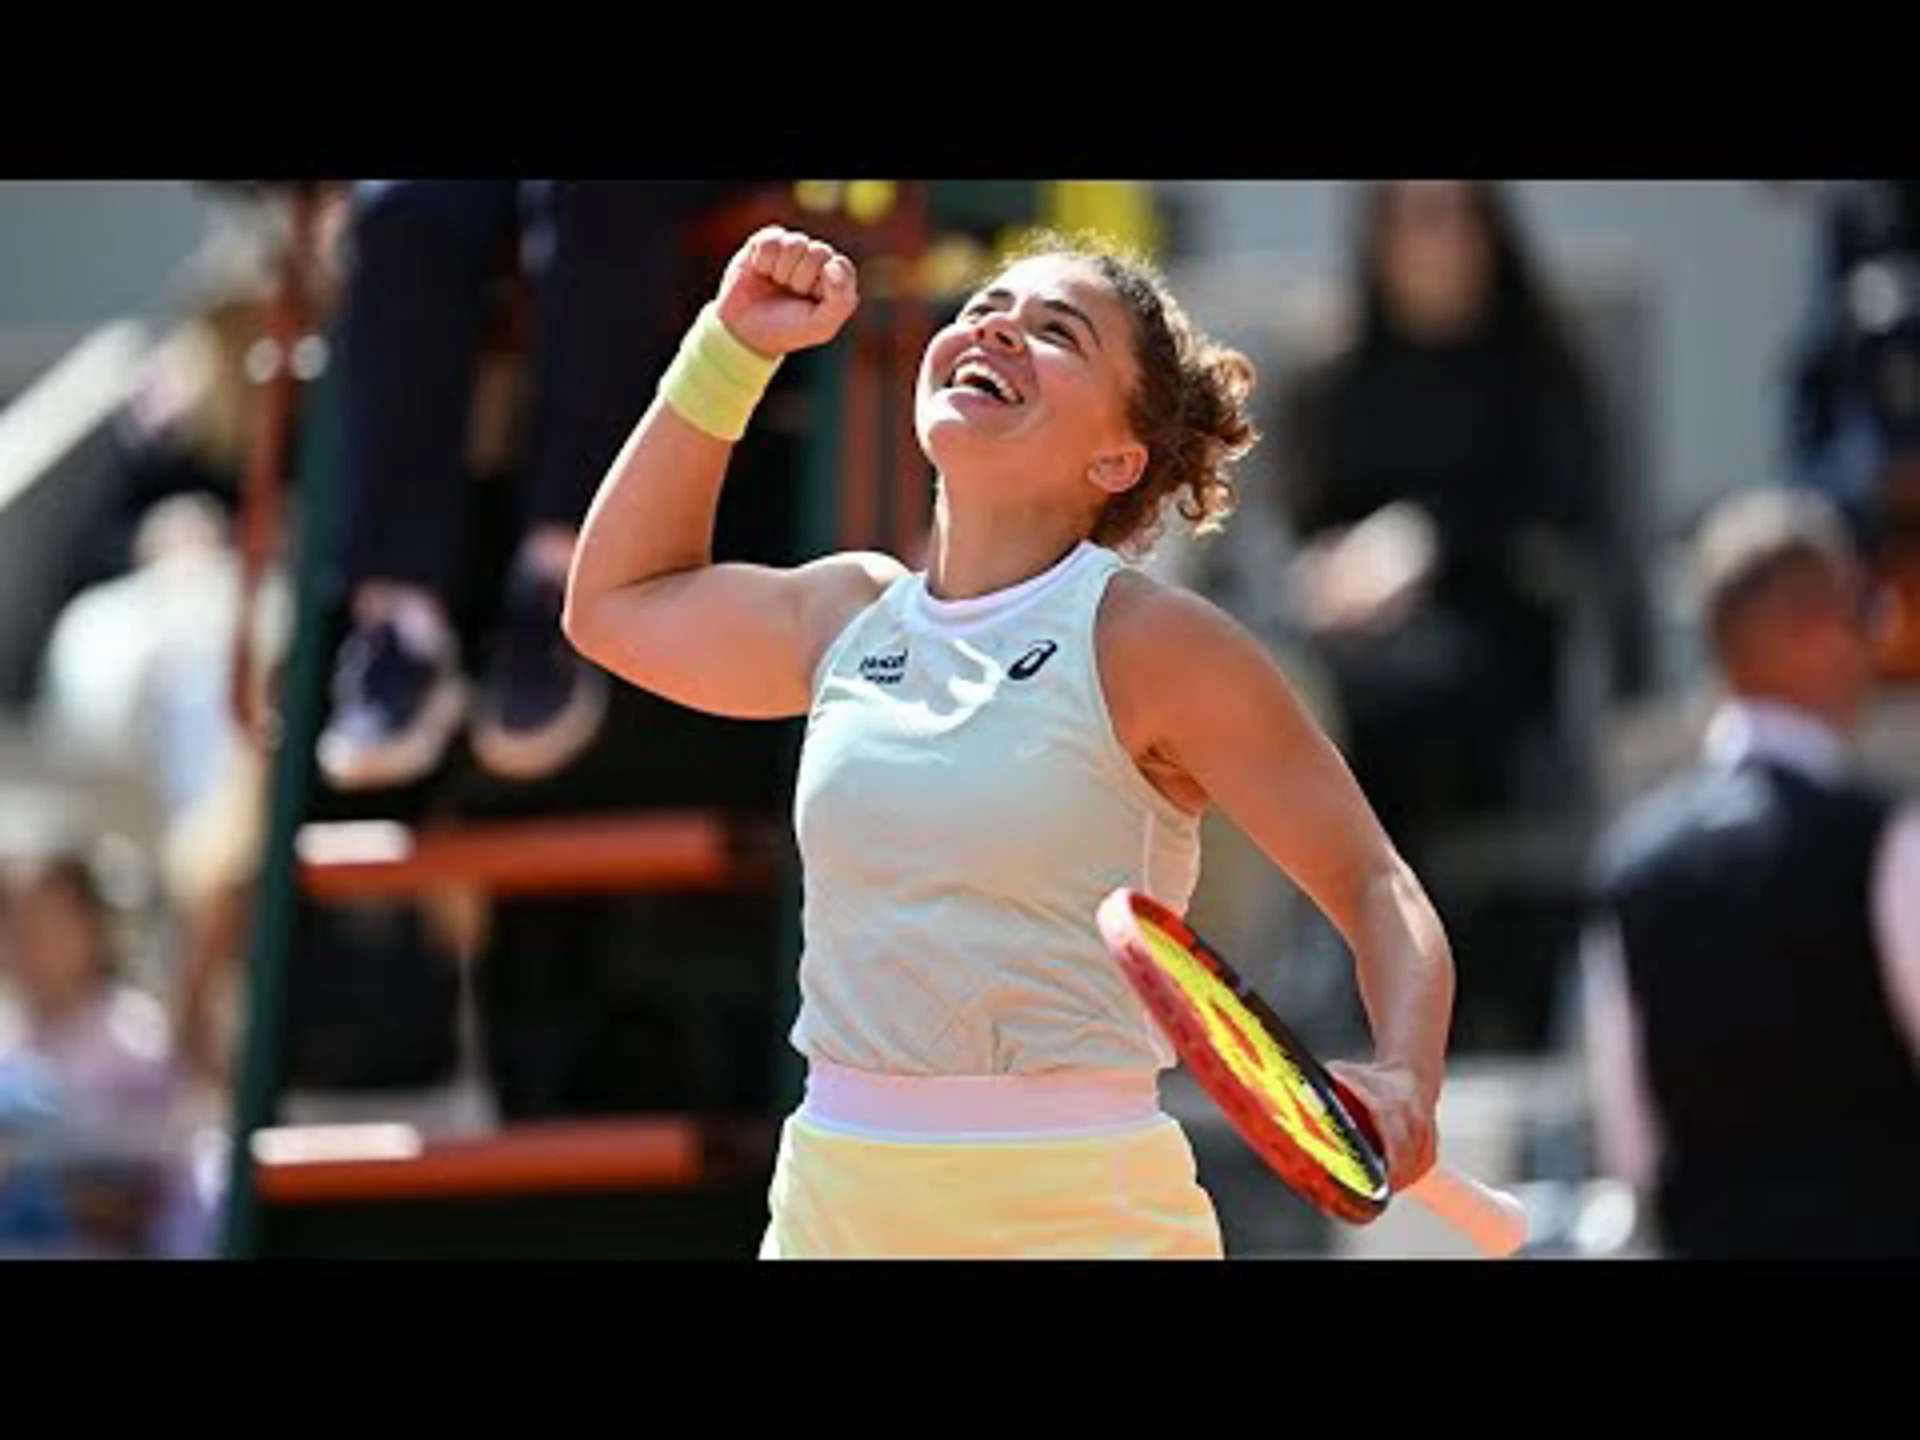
pixel 981 553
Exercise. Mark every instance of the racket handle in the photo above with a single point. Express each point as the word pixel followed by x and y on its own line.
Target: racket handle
pixel 1492 1219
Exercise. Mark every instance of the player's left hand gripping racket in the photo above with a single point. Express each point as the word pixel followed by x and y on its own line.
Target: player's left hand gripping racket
pixel 1311 1130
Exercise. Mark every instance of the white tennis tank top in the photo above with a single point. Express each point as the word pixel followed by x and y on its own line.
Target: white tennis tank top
pixel 962 806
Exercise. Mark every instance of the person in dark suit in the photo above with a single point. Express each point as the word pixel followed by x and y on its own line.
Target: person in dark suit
pixel 1753 969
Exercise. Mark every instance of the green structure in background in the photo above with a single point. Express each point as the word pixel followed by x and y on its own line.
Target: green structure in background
pixel 317 503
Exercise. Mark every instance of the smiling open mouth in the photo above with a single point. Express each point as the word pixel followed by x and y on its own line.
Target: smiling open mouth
pixel 984 380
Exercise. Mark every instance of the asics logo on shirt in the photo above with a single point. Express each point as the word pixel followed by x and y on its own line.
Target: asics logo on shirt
pixel 1029 663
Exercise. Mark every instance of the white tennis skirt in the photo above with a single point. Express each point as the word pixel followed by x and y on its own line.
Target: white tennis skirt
pixel 1074 1167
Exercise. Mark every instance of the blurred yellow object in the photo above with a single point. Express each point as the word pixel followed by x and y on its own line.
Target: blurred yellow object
pixel 817 196
pixel 870 200
pixel 867 201
pixel 1121 210
pixel 951 265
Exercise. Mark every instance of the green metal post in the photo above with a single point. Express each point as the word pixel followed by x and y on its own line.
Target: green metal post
pixel 256 1096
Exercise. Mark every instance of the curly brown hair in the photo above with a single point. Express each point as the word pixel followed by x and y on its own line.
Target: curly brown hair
pixel 1188 409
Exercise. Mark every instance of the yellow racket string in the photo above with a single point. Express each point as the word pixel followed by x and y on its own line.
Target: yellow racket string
pixel 1272 1074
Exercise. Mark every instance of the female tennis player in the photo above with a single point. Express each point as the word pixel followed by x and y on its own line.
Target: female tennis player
pixel 993 745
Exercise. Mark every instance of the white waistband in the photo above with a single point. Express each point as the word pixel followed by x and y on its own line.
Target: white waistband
pixel 1070 1103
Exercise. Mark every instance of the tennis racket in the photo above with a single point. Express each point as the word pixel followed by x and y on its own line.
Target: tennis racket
pixel 1313 1131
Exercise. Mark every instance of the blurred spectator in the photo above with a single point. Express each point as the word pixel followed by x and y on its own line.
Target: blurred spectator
pixel 191 425
pixel 136 671
pixel 426 260
pixel 184 430
pixel 136 675
pixel 85 1070
pixel 137 678
pixel 1753 986
pixel 1438 472
pixel 209 869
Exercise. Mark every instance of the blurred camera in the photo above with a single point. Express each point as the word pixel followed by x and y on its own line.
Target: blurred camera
pixel 1883 302
pixel 1879 254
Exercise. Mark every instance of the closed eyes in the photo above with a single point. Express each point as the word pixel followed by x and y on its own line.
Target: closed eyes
pixel 1054 328
pixel 993 299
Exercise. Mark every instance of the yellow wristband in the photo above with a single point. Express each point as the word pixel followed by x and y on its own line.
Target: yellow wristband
pixel 715 382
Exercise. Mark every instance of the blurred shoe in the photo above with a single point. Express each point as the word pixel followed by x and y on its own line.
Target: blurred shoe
pixel 540 704
pixel 396 708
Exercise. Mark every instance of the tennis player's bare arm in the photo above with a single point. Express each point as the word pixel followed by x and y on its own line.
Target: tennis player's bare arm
pixel 1211 719
pixel 645 600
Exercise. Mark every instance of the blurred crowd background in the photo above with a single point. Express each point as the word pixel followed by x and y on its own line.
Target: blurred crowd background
pixel 342 910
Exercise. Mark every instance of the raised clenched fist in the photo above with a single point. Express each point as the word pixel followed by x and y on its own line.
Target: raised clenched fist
pixel 785 291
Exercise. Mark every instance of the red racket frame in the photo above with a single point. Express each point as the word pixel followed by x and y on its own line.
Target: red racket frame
pixel 1175 1011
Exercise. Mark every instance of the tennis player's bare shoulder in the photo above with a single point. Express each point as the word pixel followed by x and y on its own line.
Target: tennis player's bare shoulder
pixel 1193 692
pixel 862 574
pixel 1140 620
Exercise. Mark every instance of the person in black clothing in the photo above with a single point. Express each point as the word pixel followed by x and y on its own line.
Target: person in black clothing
pixel 428 406
pixel 1753 969
pixel 1440 472
pixel 425 258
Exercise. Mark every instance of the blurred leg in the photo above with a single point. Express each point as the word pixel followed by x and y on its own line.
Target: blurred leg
pixel 607 267
pixel 413 313
pixel 607 274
